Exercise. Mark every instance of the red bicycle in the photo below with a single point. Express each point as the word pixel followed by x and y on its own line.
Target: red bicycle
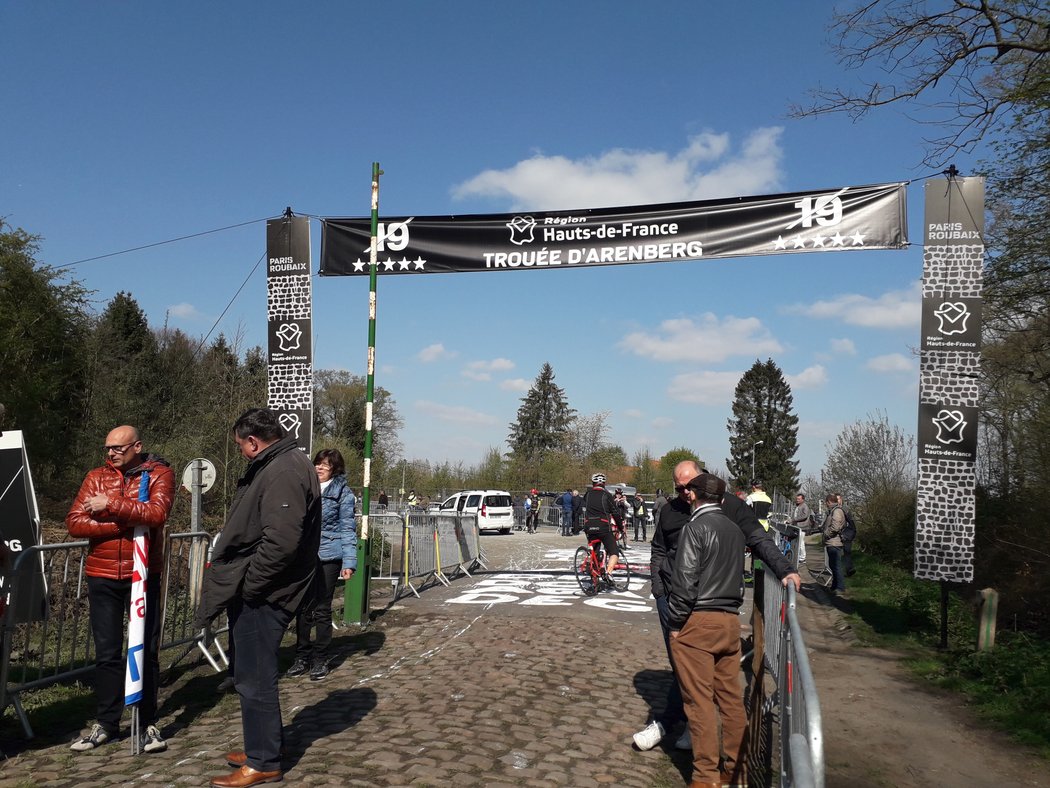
pixel 589 568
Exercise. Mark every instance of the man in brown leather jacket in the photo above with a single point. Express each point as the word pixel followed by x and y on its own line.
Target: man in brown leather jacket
pixel 105 512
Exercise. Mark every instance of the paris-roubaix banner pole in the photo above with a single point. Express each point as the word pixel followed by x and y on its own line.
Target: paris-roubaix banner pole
pixel 849 218
pixel 289 307
pixel 949 357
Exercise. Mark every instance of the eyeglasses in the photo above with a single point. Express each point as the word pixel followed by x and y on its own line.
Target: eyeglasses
pixel 118 449
pixel 679 488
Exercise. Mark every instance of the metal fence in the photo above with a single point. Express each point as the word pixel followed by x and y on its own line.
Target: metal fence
pixel 787 726
pixel 59 646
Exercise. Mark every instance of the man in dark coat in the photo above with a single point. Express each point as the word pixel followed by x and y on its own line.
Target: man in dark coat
pixel 263 569
pixel 669 523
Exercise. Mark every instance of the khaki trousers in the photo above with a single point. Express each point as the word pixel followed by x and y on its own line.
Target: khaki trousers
pixel 707 662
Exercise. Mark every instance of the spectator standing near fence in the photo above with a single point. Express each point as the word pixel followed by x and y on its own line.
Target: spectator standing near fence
pixel 105 512
pixel 800 518
pixel 849 533
pixel 704 602
pixel 834 523
pixel 565 499
pixel 666 533
pixel 338 556
pixel 262 572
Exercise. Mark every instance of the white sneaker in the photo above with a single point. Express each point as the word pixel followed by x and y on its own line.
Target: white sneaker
pixel 96 738
pixel 152 740
pixel 649 736
pixel 685 741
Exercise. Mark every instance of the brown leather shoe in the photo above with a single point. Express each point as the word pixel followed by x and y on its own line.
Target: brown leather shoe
pixel 694 784
pixel 236 759
pixel 246 776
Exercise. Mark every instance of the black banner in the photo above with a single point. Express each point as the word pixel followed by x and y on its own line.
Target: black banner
pixel 851 218
pixel 289 301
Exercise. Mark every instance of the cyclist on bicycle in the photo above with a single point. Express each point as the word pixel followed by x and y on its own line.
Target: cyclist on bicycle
pixel 599 516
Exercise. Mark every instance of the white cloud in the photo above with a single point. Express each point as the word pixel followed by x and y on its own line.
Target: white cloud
pixel 844 346
pixel 515 384
pixel 707 167
pixel 435 352
pixel 709 339
pixel 633 413
pixel 704 388
pixel 185 311
pixel 481 370
pixel 454 413
pixel 891 362
pixel 894 309
pixel 661 422
pixel 810 378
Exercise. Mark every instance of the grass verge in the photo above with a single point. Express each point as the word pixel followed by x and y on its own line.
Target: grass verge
pixel 1008 686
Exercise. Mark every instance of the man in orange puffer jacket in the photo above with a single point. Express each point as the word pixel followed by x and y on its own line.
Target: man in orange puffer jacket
pixel 105 512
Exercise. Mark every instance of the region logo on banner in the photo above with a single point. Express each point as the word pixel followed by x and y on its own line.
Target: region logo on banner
pixel 951 323
pixel 947 432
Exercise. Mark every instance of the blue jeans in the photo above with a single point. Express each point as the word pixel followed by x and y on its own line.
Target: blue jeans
pixel 674 708
pixel 835 564
pixel 257 633
pixel 566 521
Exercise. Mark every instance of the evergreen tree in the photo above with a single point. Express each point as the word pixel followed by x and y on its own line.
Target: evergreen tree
pixel 762 411
pixel 43 325
pixel 543 421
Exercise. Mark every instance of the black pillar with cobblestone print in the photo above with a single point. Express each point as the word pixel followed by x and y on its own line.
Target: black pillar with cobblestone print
pixel 953 263
pixel 289 372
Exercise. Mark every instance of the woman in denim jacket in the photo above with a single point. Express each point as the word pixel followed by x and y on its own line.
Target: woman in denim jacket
pixel 338 560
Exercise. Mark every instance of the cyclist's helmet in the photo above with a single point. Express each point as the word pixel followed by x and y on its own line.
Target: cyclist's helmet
pixel 598 478
pixel 756 483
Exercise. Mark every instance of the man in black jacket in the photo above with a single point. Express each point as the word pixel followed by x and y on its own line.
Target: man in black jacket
pixel 704 601
pixel 669 523
pixel 262 570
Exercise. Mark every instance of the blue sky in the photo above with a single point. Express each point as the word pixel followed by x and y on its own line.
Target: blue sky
pixel 133 123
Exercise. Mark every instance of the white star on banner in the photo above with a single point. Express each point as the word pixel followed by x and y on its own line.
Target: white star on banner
pixel 800 242
pixel 420 262
pixel 404 263
pixel 389 264
pixel 818 240
pixel 779 243
pixel 858 239
pixel 837 239
pixel 359 265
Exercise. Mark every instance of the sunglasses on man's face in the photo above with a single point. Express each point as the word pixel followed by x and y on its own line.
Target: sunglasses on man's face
pixel 679 488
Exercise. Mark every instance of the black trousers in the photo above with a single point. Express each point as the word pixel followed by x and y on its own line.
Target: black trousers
pixel 257 633
pixel 317 617
pixel 109 600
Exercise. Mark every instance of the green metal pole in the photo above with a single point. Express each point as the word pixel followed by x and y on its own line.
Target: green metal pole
pixel 356 594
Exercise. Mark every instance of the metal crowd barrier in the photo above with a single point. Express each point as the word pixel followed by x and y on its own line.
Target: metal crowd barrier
pixel 388 542
pixel 791 701
pixel 437 545
pixel 801 725
pixel 59 646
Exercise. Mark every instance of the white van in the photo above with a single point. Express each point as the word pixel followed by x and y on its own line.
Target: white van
pixel 494 508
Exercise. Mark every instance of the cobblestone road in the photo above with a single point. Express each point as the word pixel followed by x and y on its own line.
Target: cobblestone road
pixel 509 678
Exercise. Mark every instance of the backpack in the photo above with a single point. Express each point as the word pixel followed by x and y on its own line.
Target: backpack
pixel 849 533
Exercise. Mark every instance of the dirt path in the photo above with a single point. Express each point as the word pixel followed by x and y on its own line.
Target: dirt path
pixel 881 728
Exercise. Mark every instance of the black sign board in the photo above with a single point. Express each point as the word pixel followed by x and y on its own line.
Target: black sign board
pixel 851 218
pixel 20 529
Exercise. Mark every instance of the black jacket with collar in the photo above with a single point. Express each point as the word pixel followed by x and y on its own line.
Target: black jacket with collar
pixel 675 514
pixel 708 568
pixel 267 551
